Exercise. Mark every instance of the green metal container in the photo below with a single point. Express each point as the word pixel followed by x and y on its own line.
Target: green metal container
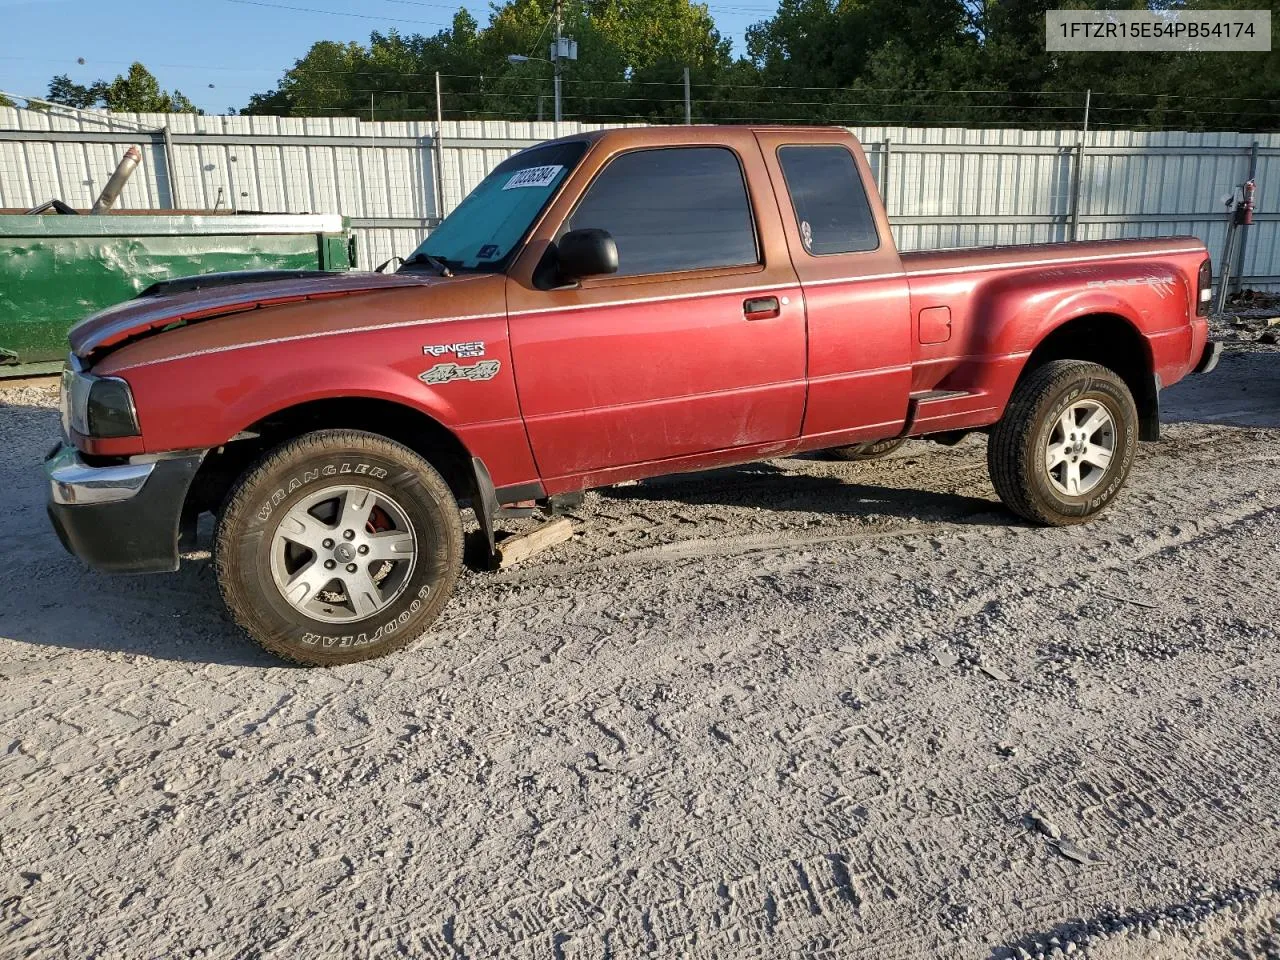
pixel 55 270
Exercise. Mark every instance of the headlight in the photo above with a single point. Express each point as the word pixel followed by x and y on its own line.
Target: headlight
pixel 97 406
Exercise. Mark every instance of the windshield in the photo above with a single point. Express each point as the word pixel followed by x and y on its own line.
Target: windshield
pixel 486 228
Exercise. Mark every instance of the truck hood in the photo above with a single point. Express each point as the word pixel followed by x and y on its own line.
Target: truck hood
pixel 172 303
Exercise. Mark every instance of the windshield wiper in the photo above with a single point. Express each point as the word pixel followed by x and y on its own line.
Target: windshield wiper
pixel 436 263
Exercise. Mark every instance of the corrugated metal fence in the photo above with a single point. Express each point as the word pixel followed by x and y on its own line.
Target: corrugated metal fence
pixel 944 187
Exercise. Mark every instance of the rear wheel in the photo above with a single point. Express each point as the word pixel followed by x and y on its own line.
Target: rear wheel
pixel 338 546
pixel 1066 443
pixel 871 450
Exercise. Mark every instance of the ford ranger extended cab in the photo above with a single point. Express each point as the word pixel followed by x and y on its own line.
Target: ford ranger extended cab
pixel 604 307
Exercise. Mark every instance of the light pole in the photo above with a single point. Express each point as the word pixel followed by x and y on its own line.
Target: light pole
pixel 555 64
pixel 562 48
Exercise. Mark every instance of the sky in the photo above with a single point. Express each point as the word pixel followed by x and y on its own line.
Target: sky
pixel 219 52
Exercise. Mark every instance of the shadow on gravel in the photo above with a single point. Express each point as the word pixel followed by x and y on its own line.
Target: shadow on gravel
pixel 176 617
pixel 166 616
pixel 766 486
pixel 1244 391
pixel 52 600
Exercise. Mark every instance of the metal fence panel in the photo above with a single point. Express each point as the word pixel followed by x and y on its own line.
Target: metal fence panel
pixel 943 187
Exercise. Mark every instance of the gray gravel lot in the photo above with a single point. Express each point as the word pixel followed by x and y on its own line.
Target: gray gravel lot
pixel 796 709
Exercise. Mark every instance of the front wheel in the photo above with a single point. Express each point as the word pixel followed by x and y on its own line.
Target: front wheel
pixel 338 546
pixel 1065 445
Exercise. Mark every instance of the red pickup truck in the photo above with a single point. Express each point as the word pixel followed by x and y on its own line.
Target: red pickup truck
pixel 604 307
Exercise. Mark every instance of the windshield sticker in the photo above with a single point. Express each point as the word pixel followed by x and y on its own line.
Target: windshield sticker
pixel 487 252
pixel 534 177
pixel 448 372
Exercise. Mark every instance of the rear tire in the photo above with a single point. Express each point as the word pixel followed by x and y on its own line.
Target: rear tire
pixel 1066 443
pixel 338 546
pixel 871 450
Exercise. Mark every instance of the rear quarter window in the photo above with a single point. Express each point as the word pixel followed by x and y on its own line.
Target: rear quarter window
pixel 830 204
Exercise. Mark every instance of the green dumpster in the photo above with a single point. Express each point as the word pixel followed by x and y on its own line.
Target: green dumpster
pixel 58 269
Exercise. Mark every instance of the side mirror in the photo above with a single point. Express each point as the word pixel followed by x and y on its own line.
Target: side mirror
pixel 586 253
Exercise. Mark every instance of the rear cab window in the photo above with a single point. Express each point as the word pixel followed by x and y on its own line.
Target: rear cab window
pixel 829 200
pixel 672 209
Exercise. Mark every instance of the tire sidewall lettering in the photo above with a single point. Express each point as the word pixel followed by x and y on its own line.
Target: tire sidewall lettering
pixel 293 484
pixel 363 638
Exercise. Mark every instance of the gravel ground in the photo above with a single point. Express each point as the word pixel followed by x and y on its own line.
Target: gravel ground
pixel 797 709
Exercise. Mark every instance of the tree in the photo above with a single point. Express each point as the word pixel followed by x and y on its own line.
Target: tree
pixel 137 91
pixel 621 45
pixel 937 62
pixel 63 90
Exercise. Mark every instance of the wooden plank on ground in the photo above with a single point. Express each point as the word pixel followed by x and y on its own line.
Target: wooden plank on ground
pixel 514 549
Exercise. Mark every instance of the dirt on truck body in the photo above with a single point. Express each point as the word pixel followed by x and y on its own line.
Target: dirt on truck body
pixel 602 308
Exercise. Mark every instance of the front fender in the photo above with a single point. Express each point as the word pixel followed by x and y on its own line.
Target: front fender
pixel 203 400
pixel 333 382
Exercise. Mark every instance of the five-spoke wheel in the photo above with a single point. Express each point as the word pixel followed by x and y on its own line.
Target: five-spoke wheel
pixel 343 553
pixel 338 546
pixel 1064 446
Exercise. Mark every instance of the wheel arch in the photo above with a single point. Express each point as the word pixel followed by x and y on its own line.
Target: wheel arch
pixel 418 431
pixel 1112 341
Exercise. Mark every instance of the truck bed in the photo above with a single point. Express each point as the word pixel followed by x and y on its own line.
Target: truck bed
pixel 1036 255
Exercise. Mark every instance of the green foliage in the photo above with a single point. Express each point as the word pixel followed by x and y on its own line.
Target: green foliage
pixel 136 91
pixel 63 90
pixel 943 62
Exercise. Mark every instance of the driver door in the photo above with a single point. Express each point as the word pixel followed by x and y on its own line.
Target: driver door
pixel 696 344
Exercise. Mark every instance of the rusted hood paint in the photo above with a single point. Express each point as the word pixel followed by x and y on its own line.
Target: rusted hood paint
pixel 139 317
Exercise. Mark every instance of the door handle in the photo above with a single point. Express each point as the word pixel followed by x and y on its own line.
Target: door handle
pixel 761 308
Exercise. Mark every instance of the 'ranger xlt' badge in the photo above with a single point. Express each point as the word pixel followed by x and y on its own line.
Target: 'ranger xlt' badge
pixel 474 348
pixel 446 372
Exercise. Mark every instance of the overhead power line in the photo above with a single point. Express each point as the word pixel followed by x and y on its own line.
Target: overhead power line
pixel 335 13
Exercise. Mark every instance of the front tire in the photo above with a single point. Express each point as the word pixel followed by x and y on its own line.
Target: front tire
pixel 338 546
pixel 1065 445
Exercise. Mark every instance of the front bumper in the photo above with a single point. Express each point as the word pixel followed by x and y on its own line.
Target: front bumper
pixel 124 518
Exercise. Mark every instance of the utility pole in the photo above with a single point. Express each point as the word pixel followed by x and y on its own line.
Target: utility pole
pixel 688 103
pixel 1078 179
pixel 562 48
pixel 439 145
pixel 555 62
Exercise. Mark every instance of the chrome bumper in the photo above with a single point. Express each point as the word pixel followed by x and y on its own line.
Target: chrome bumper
pixel 72 481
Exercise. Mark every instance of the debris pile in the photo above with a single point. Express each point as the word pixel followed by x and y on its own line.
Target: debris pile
pixel 1251 316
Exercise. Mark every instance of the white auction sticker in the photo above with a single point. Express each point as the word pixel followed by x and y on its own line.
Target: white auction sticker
pixel 534 177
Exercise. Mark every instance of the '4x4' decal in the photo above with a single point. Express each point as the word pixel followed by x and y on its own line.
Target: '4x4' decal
pixel 447 372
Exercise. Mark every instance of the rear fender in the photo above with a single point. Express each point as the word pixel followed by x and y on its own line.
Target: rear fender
pixel 1101 321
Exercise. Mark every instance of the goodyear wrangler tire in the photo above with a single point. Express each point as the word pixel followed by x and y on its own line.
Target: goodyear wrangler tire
pixel 338 546
pixel 871 450
pixel 1066 443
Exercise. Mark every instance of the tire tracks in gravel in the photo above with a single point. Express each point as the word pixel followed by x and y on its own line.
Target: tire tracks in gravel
pixel 1102 881
pixel 1221 521
pixel 707 548
pixel 767 838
